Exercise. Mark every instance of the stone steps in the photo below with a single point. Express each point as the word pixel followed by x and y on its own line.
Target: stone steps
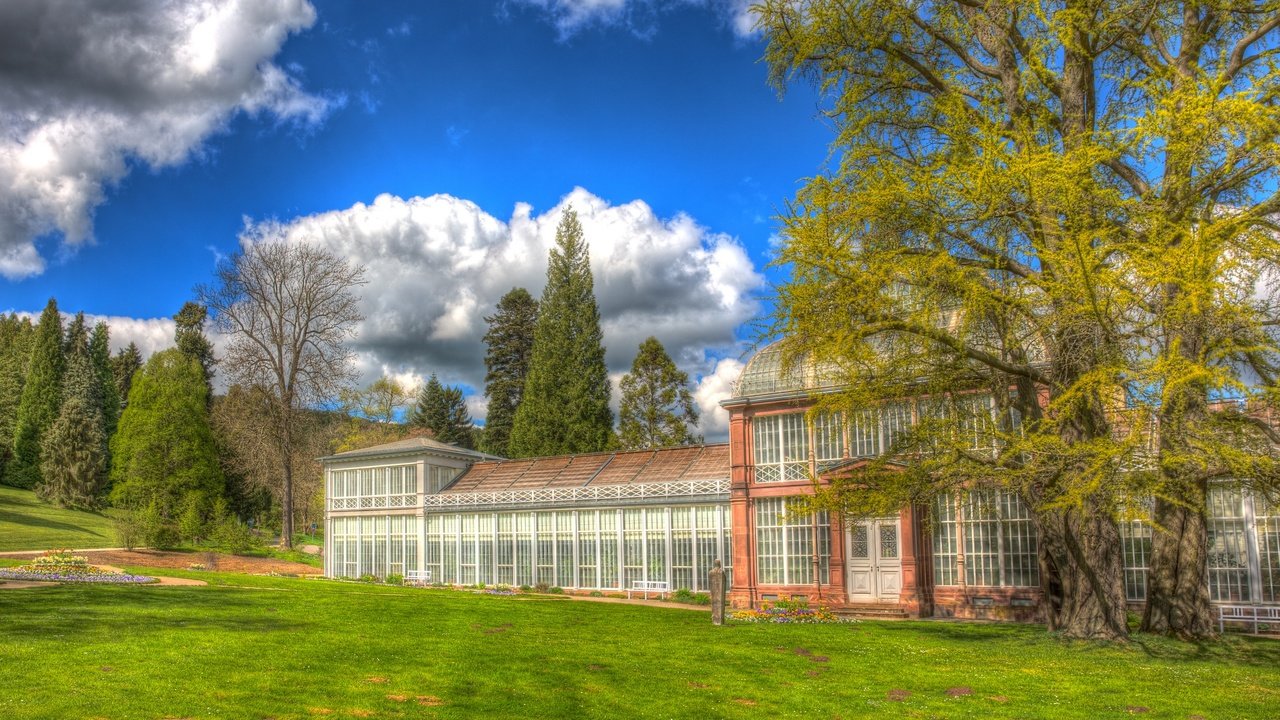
pixel 871 611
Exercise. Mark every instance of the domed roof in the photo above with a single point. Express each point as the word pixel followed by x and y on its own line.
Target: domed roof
pixel 767 374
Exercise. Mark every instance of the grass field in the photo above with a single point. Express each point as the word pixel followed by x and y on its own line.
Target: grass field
pixel 259 647
pixel 26 523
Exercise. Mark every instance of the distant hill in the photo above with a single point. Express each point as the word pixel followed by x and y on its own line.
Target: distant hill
pixel 26 523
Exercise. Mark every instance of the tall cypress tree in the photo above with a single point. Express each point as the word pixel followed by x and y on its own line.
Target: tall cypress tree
pixel 108 392
pixel 565 408
pixel 510 344
pixel 657 408
pixel 123 366
pixel 41 399
pixel 15 350
pixel 73 451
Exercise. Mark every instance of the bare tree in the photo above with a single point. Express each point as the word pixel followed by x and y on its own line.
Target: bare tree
pixel 288 309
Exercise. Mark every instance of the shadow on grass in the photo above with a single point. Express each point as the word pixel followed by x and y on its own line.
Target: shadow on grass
pixel 69 611
pixel 36 521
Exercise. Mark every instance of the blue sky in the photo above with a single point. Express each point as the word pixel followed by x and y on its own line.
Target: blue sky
pixel 475 122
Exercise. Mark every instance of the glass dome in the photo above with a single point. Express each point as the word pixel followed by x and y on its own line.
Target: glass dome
pixel 765 374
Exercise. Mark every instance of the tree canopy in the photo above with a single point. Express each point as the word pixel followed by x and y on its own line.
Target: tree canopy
pixel 1063 206
pixel 657 408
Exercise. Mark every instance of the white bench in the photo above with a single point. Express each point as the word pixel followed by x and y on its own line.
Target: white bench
pixel 1252 614
pixel 647 586
pixel 417 577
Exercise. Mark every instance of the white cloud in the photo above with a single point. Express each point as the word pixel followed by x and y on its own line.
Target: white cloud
pixel 437 265
pixel 151 335
pixel 637 16
pixel 88 90
pixel 711 389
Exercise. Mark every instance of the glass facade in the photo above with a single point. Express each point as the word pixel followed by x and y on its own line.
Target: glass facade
pixel 996 533
pixel 791 547
pixel 377 545
pixel 581 549
pixel 387 486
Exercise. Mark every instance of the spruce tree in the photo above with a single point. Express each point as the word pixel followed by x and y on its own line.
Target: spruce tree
pixel 109 393
pixel 565 407
pixel 443 411
pixel 73 451
pixel 41 399
pixel 657 408
pixel 164 448
pixel 15 349
pixel 509 344
pixel 123 366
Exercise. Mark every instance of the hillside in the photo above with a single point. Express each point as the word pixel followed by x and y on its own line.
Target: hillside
pixel 26 523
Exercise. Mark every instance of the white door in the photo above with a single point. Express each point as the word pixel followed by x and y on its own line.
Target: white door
pixel 875 561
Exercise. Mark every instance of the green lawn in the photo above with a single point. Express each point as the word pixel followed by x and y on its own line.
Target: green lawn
pixel 258 647
pixel 26 523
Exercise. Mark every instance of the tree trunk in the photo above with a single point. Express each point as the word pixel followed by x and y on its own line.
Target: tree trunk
pixel 286 500
pixel 1177 591
pixel 1082 573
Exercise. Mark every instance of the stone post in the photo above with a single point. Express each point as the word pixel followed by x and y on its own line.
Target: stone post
pixel 717 586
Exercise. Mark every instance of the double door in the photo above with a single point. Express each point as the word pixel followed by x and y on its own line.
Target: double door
pixel 874 560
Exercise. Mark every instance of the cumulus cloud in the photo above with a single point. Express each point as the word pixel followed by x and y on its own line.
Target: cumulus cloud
pixel 639 17
pixel 713 387
pixel 88 90
pixel 437 265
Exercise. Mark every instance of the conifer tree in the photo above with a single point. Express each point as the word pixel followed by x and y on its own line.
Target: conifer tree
pixel 164 448
pixel 15 348
pixel 77 337
pixel 657 408
pixel 123 366
pixel 109 393
pixel 73 451
pixel 565 407
pixel 41 399
pixel 191 341
pixel 509 344
pixel 443 411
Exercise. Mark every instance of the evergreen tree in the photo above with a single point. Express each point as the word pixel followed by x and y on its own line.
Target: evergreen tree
pixel 657 408
pixel 15 349
pixel 123 366
pixel 443 411
pixel 77 337
pixel 189 336
pixel 565 406
pixel 164 447
pixel 41 399
pixel 108 391
pixel 73 451
pixel 509 344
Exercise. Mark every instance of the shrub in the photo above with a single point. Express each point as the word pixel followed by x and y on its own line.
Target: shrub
pixel 191 522
pixel 157 531
pixel 395 579
pixel 688 597
pixel 128 530
pixel 555 590
pixel 234 536
pixel 525 589
pixel 368 578
pixel 595 593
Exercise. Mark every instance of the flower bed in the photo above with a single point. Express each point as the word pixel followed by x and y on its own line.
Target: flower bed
pixel 62 566
pixel 789 611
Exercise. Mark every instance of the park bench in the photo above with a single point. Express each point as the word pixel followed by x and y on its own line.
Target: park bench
pixel 647 586
pixel 1249 614
pixel 417 577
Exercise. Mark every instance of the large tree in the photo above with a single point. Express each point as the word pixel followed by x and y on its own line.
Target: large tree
pixel 1058 203
pixel 164 450
pixel 657 408
pixel 189 337
pixel 15 349
pixel 442 410
pixel 379 402
pixel 73 451
pixel 509 344
pixel 41 398
pixel 108 392
pixel 565 406
pixel 124 364
pixel 287 310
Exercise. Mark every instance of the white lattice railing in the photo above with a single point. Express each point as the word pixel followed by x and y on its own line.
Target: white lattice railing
pixel 571 495
pixel 373 501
